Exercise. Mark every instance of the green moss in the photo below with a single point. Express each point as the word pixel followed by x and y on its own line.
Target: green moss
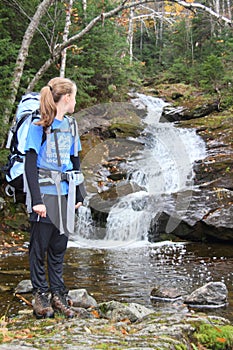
pixel 125 129
pixel 218 338
pixel 181 347
pixel 213 121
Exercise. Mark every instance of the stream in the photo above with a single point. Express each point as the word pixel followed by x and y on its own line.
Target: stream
pixel 123 265
pixel 129 273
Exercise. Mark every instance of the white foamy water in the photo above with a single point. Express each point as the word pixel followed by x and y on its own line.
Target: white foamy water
pixel 163 167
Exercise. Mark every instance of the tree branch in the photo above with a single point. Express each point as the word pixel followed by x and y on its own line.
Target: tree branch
pixel 193 6
pixel 126 4
pixel 22 56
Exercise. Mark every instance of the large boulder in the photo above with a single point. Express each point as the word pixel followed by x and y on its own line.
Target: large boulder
pixel 211 294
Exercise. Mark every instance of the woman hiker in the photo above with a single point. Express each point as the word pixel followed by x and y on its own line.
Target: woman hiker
pixel 51 171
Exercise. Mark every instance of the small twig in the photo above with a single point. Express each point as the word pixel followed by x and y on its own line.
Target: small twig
pixel 23 299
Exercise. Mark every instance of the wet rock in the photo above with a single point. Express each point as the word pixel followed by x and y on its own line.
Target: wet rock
pixel 165 294
pixel 120 117
pixel 102 202
pixel 117 311
pixel 172 114
pixel 81 312
pixel 24 286
pixel 220 218
pixel 207 215
pixel 82 299
pixel 212 293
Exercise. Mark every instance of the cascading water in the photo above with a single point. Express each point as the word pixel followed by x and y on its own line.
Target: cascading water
pixel 163 167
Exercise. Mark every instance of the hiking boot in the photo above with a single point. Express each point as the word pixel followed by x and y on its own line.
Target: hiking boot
pixel 61 303
pixel 42 307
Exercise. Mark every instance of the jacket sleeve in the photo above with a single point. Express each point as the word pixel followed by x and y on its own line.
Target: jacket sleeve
pixel 32 176
pixel 80 190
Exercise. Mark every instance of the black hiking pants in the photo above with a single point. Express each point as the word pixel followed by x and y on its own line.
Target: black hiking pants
pixel 46 242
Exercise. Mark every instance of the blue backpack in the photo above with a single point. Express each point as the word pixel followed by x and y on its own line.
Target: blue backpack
pixel 27 112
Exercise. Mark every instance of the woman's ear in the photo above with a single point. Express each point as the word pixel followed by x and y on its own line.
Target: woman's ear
pixel 67 98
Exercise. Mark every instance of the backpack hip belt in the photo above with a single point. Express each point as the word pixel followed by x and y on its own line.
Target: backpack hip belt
pixel 47 177
pixel 75 178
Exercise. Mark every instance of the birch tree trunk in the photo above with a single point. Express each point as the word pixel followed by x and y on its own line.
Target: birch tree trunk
pixel 65 37
pixel 22 56
pixel 229 9
pixel 130 35
pixel 84 3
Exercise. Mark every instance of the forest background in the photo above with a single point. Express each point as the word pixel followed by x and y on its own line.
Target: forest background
pixel 109 47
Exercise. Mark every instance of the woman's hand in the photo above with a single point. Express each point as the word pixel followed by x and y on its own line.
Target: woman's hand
pixel 40 209
pixel 78 205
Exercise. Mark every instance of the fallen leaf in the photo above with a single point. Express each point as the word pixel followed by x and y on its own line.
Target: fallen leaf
pixel 124 331
pixel 221 340
pixel 95 313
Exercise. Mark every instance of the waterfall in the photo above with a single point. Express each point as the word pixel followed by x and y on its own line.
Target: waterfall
pixel 163 167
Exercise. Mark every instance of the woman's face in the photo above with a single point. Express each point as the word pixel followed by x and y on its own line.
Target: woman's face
pixel 71 102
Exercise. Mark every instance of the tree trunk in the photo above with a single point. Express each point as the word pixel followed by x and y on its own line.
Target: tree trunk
pixel 130 35
pixel 229 9
pixel 22 56
pixel 84 3
pixel 65 37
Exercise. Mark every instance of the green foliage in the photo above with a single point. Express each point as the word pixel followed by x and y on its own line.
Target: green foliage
pixel 193 51
pixel 178 72
pixel 218 338
pixel 100 65
pixel 8 52
pixel 211 72
pixel 188 50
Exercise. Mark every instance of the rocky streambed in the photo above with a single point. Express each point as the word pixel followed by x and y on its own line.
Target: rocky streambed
pixel 115 325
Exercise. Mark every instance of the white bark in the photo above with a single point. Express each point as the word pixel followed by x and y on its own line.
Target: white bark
pixel 130 35
pixel 84 3
pixel 22 55
pixel 193 6
pixel 65 37
pixel 229 9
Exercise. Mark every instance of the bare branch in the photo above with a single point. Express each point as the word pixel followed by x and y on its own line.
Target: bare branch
pixel 193 6
pixel 23 53
pixel 126 4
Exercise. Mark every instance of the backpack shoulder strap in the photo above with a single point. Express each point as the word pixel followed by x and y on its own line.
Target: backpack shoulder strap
pixel 74 132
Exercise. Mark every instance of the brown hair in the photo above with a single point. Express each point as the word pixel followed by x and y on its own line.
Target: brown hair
pixel 50 95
